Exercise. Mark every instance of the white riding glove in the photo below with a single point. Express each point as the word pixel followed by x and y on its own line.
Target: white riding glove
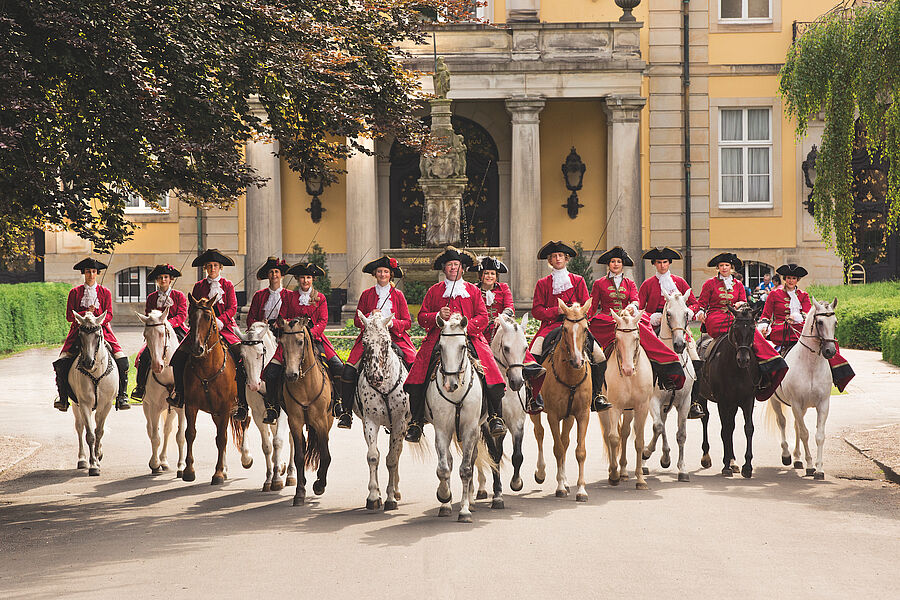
pixel 797 318
pixel 763 328
pixel 655 319
pixel 219 323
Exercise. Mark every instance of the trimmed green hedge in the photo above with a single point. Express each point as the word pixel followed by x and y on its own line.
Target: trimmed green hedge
pixel 890 340
pixel 861 311
pixel 32 313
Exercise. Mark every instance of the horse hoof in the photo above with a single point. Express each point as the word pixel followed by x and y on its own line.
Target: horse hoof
pixel 100 456
pixel 580 497
pixel 706 461
pixel 562 493
pixel 623 477
pixel 645 470
pixel 727 472
pixel 646 454
pixel 539 478
pixel 481 495
pixel 290 481
pixel 613 481
pixel 446 500
pixel 299 500
pixel 82 464
pixel 319 487
pixel 798 464
pixel 516 484
pixel 267 487
pixel 179 474
pixel 397 495
pixel 444 511
pixel 786 460
pixel 810 472
pixel 641 485
pixel 249 463
pixel 217 480
pixel 373 504
pixel 735 468
pixel 819 475
pixel 747 472
pixel 665 462
pixel 277 485
pixel 163 467
pixel 156 471
pixel 94 471
pixel 498 504
pixel 390 505
pixel 465 518
pixel 684 477
pixel 567 489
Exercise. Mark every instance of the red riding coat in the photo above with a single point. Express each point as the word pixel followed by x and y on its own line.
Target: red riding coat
pixel 258 305
pixel 73 305
pixel 225 310
pixel 474 310
pixel 545 307
pixel 651 299
pixel 317 312
pixel 177 310
pixel 399 330
pixel 502 300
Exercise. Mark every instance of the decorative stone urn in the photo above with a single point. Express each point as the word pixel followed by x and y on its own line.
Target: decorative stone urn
pixel 627 6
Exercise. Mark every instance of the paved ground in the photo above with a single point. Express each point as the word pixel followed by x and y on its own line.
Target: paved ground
pixel 127 533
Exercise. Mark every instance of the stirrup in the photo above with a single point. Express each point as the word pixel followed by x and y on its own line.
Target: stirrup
pixel 138 393
pixel 61 405
pixel 413 432
pixel 242 412
pixel 696 411
pixel 535 405
pixel 600 403
pixel 497 426
pixel 175 401
pixel 122 403
pixel 345 421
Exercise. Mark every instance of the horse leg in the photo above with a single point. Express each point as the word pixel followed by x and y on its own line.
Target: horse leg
pixel 581 453
pixel 151 415
pixel 168 424
pixel 482 478
pixel 99 423
pixel 640 420
pixel 322 425
pixel 609 419
pixel 658 428
pixel 271 447
pixel 246 457
pixel 395 448
pixel 79 431
pixel 775 405
pixel 370 431
pixel 821 416
pixel 221 422
pixel 444 469
pixel 559 451
pixel 803 436
pixel 190 435
pixel 515 484
pixel 798 418
pixel 727 418
pixel 747 407
pixel 540 472
pixel 495 449
pixel 666 458
pixel 624 432
pixel 90 439
pixel 706 459
pixel 466 468
pixel 296 427
pixel 681 436
pixel 180 440
pixel 283 432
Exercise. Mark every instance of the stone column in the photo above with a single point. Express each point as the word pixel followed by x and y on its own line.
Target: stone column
pixel 523 11
pixel 263 205
pixel 362 223
pixel 525 212
pixel 623 178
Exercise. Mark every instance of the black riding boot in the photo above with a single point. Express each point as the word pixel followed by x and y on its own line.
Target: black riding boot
pixel 416 393
pixel 61 367
pixel 240 376
pixel 598 379
pixel 348 392
pixel 122 397
pixel 535 403
pixel 338 409
pixel 178 362
pixel 496 425
pixel 274 377
pixel 696 411
pixel 143 372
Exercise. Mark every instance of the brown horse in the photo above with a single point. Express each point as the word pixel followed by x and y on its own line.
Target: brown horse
pixel 209 385
pixel 307 401
pixel 567 398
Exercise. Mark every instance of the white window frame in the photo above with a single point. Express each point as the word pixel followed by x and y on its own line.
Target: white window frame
pixel 761 268
pixel 745 145
pixel 144 286
pixel 143 208
pixel 745 8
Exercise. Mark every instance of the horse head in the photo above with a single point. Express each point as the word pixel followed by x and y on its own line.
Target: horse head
pixel 823 323
pixel 453 348
pixel 204 328
pixel 676 316
pixel 296 343
pixel 628 339
pixel 90 336
pixel 742 331
pixel 574 331
pixel 376 341
pixel 156 336
pixel 509 348
pixel 257 348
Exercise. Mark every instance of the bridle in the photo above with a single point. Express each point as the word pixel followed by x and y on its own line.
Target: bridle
pixel 463 363
pixel 165 352
pixel 256 343
pixel 368 359
pixel 637 349
pixel 571 388
pixel 206 347
pixel 206 350
pixel 506 367
pixel 730 337
pixel 302 332
pixel 818 333
pixel 109 361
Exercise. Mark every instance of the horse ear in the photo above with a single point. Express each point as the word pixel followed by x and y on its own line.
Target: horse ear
pixel 562 306
pixel 78 318
pixel 165 315
pixel 362 318
pixel 615 316
pixel 587 306
pixel 212 301
pixel 639 315
pixel 525 321
pixel 439 321
pixel 687 293
pixel 834 304
pixel 101 317
pixel 241 335
pixel 388 320
pixel 192 300
pixel 143 318
pixel 731 310
pixel 758 311
pixel 280 322
pixel 464 322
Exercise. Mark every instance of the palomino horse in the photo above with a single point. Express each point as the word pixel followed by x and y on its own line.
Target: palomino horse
pixel 161 341
pixel 629 385
pixel 257 349
pixel 673 331
pixel 729 379
pixel 307 398
pixel 94 385
pixel 807 384
pixel 382 403
pixel 508 347
pixel 567 399
pixel 454 401
pixel 209 386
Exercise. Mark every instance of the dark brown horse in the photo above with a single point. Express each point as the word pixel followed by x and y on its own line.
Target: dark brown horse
pixel 209 385
pixel 307 401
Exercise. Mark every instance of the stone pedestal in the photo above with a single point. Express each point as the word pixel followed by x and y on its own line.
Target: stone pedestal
pixel 442 209
pixel 523 11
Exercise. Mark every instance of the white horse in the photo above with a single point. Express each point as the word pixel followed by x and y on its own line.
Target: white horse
pixel 807 384
pixel 258 346
pixel 509 348
pixel 161 342
pixel 672 332
pixel 629 383
pixel 382 403
pixel 94 382
pixel 454 399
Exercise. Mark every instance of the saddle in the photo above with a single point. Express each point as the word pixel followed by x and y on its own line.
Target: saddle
pixel 551 341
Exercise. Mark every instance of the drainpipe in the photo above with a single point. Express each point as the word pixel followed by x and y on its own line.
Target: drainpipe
pixel 686 96
pixel 200 234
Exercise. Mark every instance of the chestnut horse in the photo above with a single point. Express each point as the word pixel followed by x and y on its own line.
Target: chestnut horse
pixel 307 401
pixel 567 398
pixel 209 385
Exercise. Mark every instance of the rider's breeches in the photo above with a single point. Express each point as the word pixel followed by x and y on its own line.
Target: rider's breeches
pixel 240 374
pixel 61 367
pixel 349 377
pixel 336 370
pixel 274 374
pixel 143 368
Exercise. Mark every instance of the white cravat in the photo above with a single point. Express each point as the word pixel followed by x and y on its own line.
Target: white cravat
pixel 455 291
pixel 617 279
pixel 273 304
pixel 666 283
pixel 384 299
pixel 163 299
pixel 215 288
pixel 488 297
pixel 561 280
pixel 795 306
pixel 304 296
pixel 90 296
pixel 728 281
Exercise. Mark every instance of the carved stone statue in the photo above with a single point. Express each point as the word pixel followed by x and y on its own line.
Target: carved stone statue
pixel 441 78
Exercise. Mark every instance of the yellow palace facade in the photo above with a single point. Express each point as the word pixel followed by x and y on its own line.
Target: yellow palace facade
pixel 543 80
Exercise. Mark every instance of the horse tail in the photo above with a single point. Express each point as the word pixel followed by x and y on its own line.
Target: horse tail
pixel 483 459
pixel 238 428
pixel 771 421
pixel 421 451
pixel 311 460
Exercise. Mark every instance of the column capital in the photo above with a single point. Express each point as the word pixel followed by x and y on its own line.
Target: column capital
pixel 624 109
pixel 525 109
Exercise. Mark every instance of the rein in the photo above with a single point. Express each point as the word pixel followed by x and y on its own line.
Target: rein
pixel 817 335
pixel 637 350
pixel 506 368
pixel 170 387
pixel 572 388
pixel 463 363
pixel 307 344
pixel 384 395
pixel 109 363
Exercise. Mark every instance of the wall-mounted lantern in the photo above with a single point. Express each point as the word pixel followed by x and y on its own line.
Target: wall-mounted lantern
pixel 573 172
pixel 809 175
pixel 315 184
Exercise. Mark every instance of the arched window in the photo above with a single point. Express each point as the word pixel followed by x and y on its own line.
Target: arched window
pixel 132 285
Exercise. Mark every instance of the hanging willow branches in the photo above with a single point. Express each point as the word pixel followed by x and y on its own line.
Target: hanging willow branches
pixel 847 65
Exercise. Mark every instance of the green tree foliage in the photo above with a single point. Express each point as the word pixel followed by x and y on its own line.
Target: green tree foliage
pixel 102 100
pixel 320 258
pixel 847 64
pixel 581 265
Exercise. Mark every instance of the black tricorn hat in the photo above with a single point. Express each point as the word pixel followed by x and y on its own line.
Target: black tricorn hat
pixel 661 253
pixel 615 252
pixel 273 262
pixel 792 270
pixel 387 262
pixel 558 246
pixel 89 263
pixel 466 258
pixel 212 255
pixel 729 257
pixel 163 270
pixel 489 263
pixel 305 268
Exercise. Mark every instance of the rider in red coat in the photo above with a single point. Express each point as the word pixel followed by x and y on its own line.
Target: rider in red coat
pixel 498 299
pixel 617 292
pixel 164 297
pixel 273 301
pixel 382 298
pixel 783 317
pixel 570 288
pixel 722 291
pixel 88 297
pixel 453 295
